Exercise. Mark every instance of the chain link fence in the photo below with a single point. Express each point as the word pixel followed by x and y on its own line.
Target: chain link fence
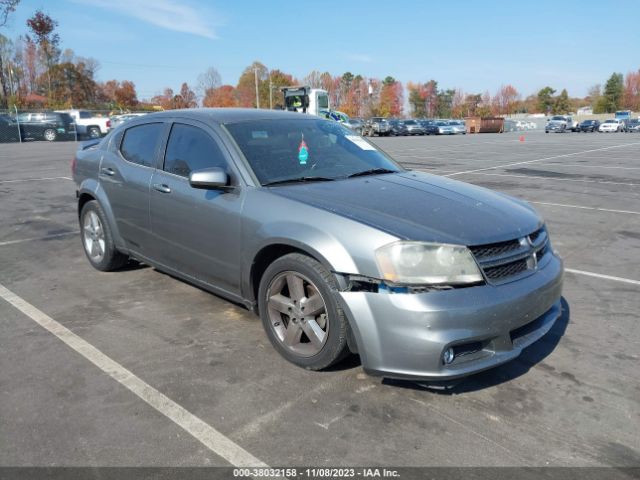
pixel 17 126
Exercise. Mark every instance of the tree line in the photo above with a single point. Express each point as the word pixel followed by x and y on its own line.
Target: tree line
pixel 36 72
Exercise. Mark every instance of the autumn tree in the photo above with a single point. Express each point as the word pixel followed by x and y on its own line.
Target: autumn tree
pixel 246 89
pixel 223 96
pixel 42 26
pixel 71 86
pixel 632 91
pixel 506 99
pixel 185 99
pixel 125 95
pixel 546 100
pixel 391 98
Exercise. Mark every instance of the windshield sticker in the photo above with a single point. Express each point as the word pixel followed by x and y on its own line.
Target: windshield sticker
pixel 303 152
pixel 361 142
pixel 259 134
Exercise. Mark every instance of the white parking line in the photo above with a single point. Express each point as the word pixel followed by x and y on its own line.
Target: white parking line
pixel 539 177
pixel 34 179
pixel 611 210
pixel 32 239
pixel 201 431
pixel 586 166
pixel 542 159
pixel 604 277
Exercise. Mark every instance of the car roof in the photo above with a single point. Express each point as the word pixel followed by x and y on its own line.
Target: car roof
pixel 228 115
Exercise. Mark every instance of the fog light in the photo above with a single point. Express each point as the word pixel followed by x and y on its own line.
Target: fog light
pixel 448 356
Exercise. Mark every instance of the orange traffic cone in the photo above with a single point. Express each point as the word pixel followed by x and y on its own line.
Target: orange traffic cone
pixel 522 138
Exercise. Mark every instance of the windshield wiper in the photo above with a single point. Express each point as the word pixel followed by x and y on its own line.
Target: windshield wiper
pixel 298 180
pixel 373 171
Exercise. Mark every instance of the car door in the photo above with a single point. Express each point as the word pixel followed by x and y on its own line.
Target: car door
pixel 197 231
pixel 125 174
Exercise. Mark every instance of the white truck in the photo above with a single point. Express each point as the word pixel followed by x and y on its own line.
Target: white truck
pixel 306 100
pixel 88 124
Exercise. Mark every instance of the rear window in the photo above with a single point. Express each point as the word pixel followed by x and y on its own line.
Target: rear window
pixel 85 115
pixel 140 143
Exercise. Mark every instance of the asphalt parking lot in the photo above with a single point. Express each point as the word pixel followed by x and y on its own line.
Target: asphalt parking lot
pixel 572 399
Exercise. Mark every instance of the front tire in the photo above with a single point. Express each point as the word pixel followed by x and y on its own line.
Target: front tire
pixel 49 135
pixel 97 239
pixel 300 315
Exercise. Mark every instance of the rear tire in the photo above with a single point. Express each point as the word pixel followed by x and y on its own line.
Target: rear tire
pixel 97 239
pixel 318 338
pixel 94 132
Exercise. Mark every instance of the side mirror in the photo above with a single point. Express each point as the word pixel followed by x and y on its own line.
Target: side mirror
pixel 209 178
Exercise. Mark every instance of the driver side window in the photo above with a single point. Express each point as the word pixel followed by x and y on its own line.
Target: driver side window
pixel 191 148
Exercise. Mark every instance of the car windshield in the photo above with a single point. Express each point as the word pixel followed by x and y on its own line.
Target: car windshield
pixel 442 124
pixel 610 121
pixel 562 119
pixel 409 122
pixel 306 149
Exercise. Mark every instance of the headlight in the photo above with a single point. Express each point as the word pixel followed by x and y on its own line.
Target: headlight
pixel 427 263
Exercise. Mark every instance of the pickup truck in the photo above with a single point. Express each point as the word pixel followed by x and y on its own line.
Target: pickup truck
pixel 89 125
pixel 560 124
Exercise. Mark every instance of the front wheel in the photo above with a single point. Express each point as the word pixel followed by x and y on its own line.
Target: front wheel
pixel 97 239
pixel 49 134
pixel 300 314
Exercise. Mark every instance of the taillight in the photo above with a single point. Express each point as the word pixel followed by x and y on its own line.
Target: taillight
pixel 74 163
pixel 108 123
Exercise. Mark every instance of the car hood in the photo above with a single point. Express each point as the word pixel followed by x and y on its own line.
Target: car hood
pixel 419 206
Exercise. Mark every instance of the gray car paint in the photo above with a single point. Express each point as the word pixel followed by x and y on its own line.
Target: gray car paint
pixel 215 237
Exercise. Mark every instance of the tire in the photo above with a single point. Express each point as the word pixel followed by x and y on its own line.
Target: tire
pixel 50 135
pixel 95 233
pixel 311 280
pixel 94 132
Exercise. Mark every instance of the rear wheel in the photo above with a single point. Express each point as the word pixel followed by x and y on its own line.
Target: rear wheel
pixel 93 132
pixel 97 239
pixel 300 314
pixel 49 134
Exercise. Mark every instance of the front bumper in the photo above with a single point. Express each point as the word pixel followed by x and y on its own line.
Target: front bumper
pixel 404 335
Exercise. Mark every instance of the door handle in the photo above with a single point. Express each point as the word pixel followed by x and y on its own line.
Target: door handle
pixel 161 188
pixel 108 171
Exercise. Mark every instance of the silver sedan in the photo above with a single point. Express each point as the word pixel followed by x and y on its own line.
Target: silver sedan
pixel 335 246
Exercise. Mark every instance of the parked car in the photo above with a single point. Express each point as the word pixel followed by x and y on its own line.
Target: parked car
pixel 458 127
pixel 8 129
pixel 414 128
pixel 332 250
pixel 561 124
pixel 611 125
pixel 588 126
pixel 633 126
pixel 398 128
pixel 376 126
pixel 88 124
pixel 440 127
pixel 48 126
pixel 355 124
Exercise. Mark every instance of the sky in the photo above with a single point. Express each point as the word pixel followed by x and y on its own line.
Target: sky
pixel 472 45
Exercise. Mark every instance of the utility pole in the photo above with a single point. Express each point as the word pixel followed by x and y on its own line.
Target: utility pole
pixel 255 71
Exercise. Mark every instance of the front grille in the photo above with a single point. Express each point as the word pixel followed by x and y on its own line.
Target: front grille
pixel 495 249
pixel 506 270
pixel 502 261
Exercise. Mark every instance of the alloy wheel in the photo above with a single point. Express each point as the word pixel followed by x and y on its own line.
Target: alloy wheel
pixel 297 313
pixel 93 236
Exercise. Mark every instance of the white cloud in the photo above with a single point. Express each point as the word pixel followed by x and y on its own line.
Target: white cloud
pixel 359 57
pixel 173 15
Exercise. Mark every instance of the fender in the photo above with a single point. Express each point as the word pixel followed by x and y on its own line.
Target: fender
pixel 91 187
